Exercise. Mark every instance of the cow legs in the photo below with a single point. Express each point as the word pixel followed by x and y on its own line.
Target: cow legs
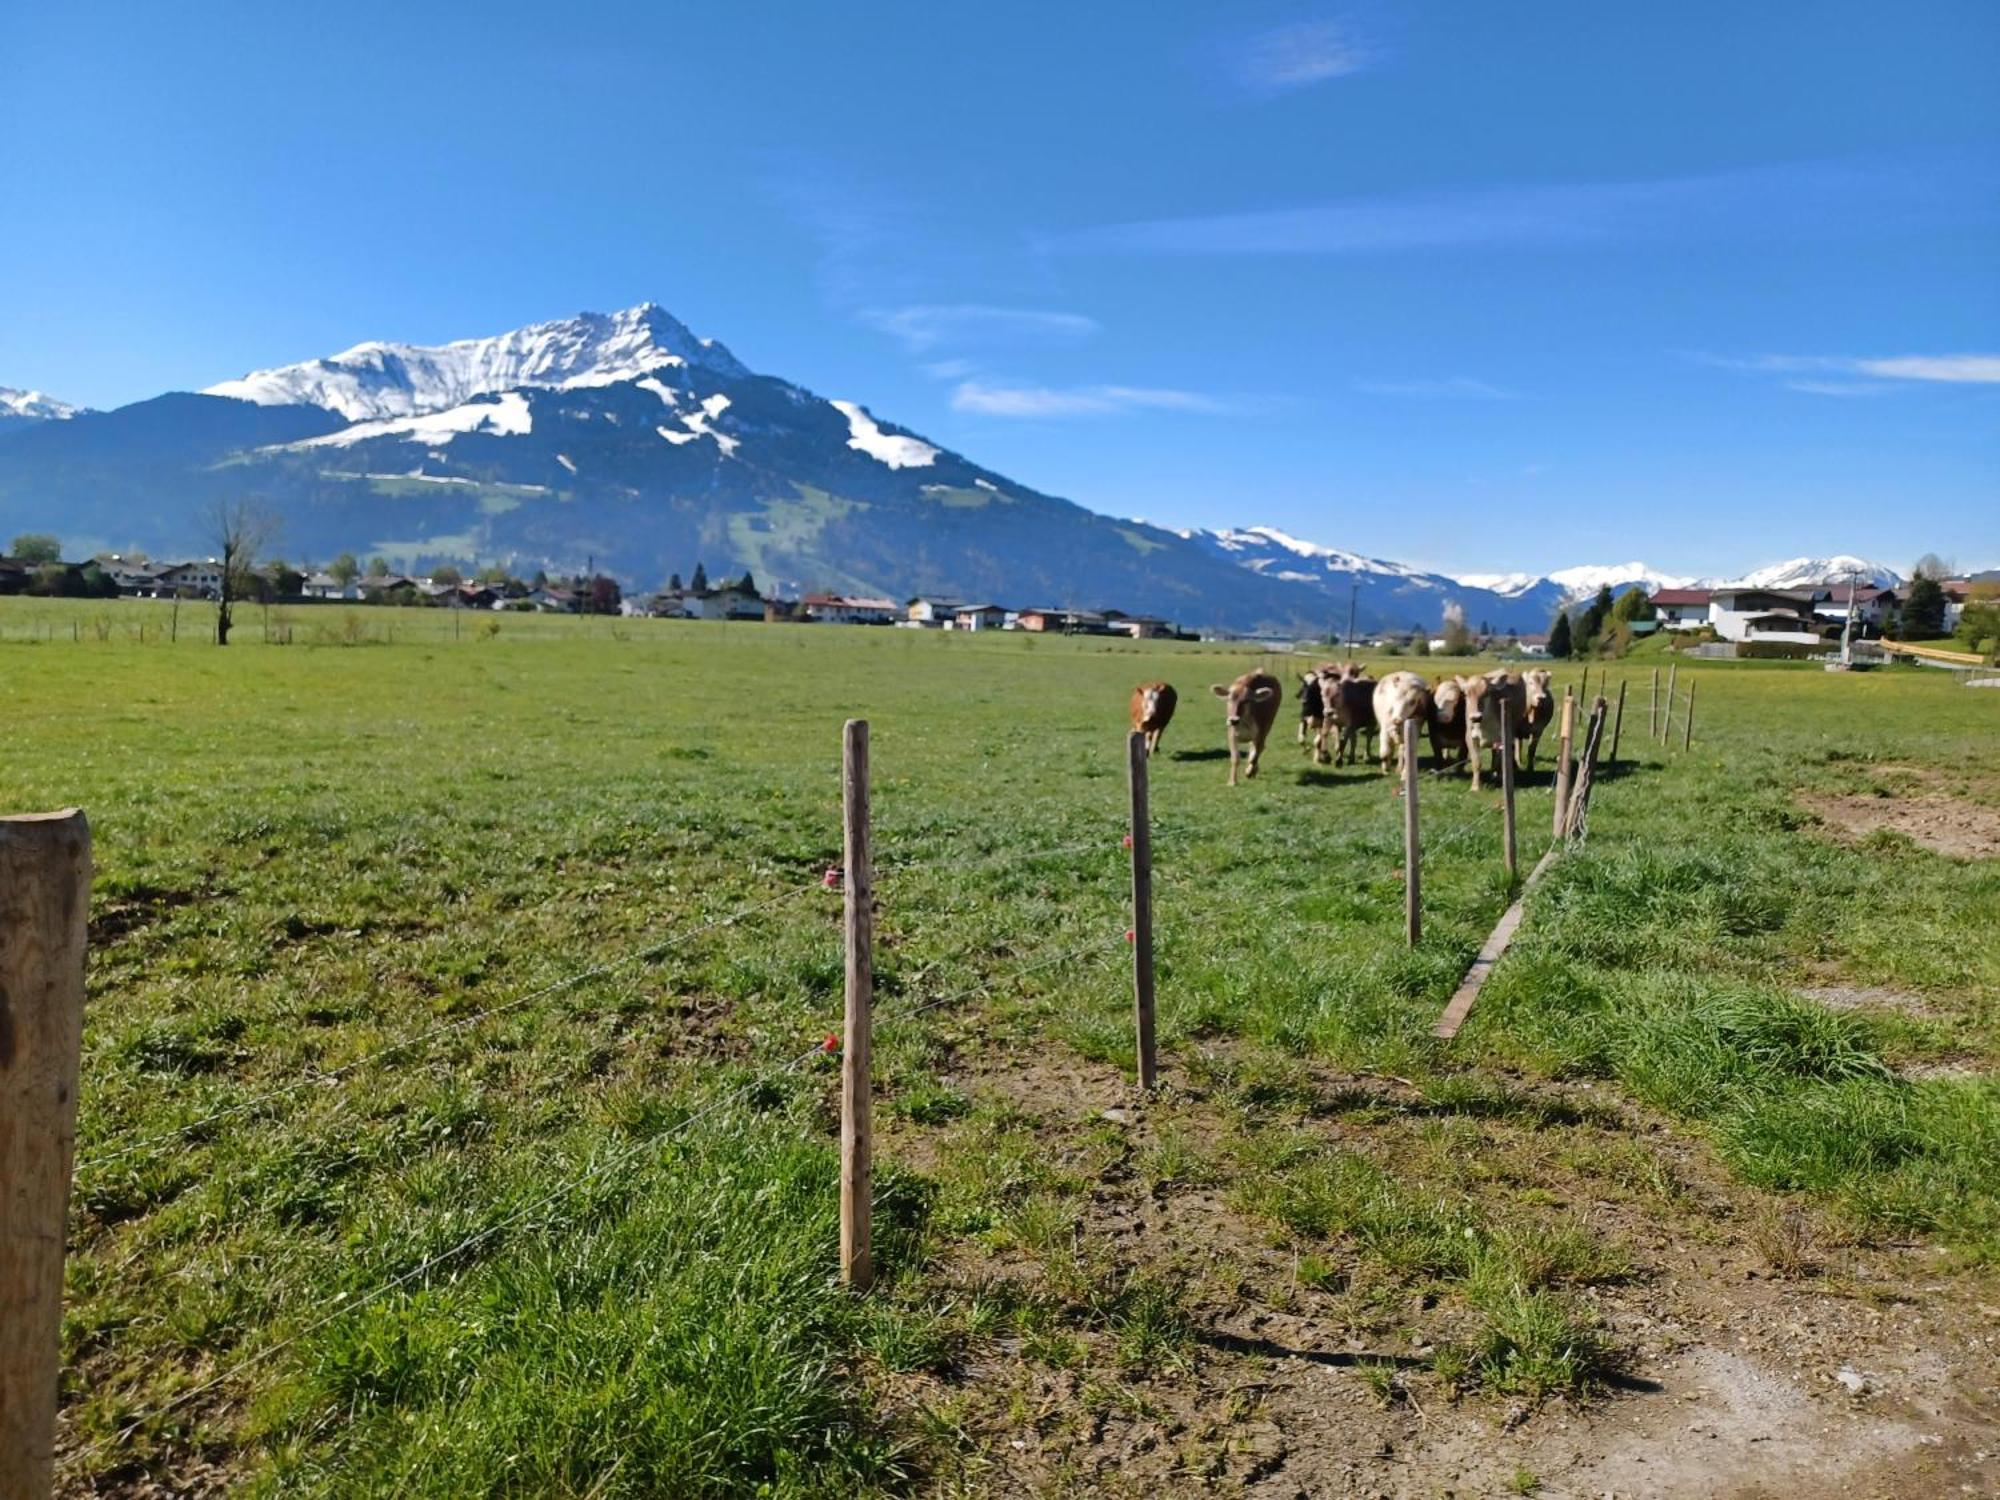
pixel 1256 751
pixel 1232 755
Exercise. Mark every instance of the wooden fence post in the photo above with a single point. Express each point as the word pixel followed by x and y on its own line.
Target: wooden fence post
pixel 857 1268
pixel 1653 709
pixel 1586 773
pixel 1562 764
pixel 1687 727
pixel 44 915
pixel 1617 722
pixel 1413 916
pixel 1667 722
pixel 1507 792
pixel 1142 912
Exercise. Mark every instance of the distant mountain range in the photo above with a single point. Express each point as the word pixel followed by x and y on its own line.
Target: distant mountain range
pixel 628 441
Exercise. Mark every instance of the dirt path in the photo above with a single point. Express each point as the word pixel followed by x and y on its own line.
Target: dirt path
pixel 1763 1356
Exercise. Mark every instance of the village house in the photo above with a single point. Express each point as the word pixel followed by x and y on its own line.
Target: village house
pixel 555 601
pixel 203 580
pixel 1774 616
pixel 979 617
pixel 730 602
pixel 841 609
pixel 1063 621
pixel 1144 627
pixel 931 612
pixel 1873 607
pixel 1681 609
pixel 326 586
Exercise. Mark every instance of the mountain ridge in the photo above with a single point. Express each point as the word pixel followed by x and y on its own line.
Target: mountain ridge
pixel 626 440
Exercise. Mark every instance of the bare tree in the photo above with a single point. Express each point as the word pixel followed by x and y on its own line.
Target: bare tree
pixel 239 530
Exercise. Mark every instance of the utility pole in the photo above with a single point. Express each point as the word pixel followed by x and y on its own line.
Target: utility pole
pixel 1353 593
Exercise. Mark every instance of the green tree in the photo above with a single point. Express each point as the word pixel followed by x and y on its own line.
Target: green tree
pixel 1632 605
pixel 343 570
pixel 674 583
pixel 1559 639
pixel 36 547
pixel 699 584
pixel 1591 624
pixel 447 575
pixel 1923 611
pixel 378 567
pixel 749 584
pixel 1420 643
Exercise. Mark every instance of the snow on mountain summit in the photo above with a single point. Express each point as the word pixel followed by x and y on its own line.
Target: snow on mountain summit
pixel 377 380
pixel 33 406
pixel 1803 572
pixel 1277 554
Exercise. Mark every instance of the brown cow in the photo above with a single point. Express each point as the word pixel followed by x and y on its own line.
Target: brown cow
pixel 1448 722
pixel 1250 702
pixel 1541 708
pixel 1348 693
pixel 1152 710
pixel 1486 699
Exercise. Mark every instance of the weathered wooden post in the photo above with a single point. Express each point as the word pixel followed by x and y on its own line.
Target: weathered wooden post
pixel 1413 917
pixel 857 1268
pixel 1142 911
pixel 1562 764
pixel 1687 727
pixel 1585 780
pixel 1653 709
pixel 1617 723
pixel 1507 791
pixel 44 911
pixel 1667 721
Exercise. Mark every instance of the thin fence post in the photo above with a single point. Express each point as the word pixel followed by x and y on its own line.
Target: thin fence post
pixel 1413 917
pixel 1687 727
pixel 1562 764
pixel 1653 709
pixel 857 1268
pixel 1586 775
pixel 1617 723
pixel 44 912
pixel 1507 791
pixel 1667 721
pixel 1142 912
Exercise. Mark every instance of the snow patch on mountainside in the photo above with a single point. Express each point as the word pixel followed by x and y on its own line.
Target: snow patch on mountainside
pixel 34 406
pixel 1589 578
pixel 380 380
pixel 505 415
pixel 864 434
pixel 1804 572
pixel 1507 585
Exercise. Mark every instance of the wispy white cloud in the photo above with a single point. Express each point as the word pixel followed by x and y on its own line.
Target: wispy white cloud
pixel 1300 55
pixel 1862 375
pixel 1458 387
pixel 1814 200
pixel 925 327
pixel 988 399
pixel 1838 387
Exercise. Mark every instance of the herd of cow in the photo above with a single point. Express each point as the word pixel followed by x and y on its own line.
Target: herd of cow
pixel 1341 703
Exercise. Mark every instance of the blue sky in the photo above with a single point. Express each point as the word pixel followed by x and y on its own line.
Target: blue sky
pixel 1470 285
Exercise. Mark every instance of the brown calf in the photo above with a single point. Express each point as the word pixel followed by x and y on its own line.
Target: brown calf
pixel 1448 722
pixel 1348 693
pixel 1541 708
pixel 1250 703
pixel 1152 710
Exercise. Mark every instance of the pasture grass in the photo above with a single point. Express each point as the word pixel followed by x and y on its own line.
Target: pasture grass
pixel 519 859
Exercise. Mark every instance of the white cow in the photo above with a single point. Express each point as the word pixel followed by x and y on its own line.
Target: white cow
pixel 1399 697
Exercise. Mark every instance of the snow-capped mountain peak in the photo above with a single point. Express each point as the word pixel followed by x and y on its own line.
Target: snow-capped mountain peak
pixel 375 380
pixel 33 406
pixel 1804 572
pixel 1278 554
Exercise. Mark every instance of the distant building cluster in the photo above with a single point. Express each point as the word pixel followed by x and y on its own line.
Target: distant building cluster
pixel 1809 617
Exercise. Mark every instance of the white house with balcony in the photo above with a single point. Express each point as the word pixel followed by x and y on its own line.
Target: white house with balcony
pixel 1779 616
pixel 1681 609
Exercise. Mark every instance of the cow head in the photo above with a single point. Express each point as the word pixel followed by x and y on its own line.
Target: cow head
pixel 1238 696
pixel 1150 695
pixel 1448 701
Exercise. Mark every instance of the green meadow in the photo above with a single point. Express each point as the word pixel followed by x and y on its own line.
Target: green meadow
pixel 454 1119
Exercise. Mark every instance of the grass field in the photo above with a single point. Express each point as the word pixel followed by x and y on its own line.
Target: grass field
pixel 452 1120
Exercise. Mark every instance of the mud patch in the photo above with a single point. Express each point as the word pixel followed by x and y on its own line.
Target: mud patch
pixel 1867 997
pixel 1947 825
